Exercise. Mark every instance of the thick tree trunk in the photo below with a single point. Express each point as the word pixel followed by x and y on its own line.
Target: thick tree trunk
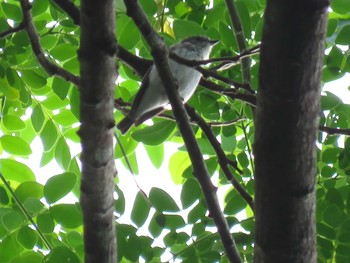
pixel 97 69
pixel 286 125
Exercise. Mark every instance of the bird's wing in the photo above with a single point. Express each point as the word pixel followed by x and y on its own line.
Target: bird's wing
pixel 148 115
pixel 141 92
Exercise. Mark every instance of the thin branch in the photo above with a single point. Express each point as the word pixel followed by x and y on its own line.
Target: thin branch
pixel 160 55
pixel 210 73
pixel 71 9
pixel 26 214
pixel 252 51
pixel 224 162
pixel 51 68
pixel 121 106
pixel 237 29
pixel 334 131
pixel 12 30
pixel 140 65
pixel 232 93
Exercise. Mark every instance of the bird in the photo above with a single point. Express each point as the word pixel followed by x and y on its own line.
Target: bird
pixel 151 99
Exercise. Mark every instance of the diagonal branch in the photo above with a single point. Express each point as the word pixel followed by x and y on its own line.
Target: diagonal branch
pixel 12 30
pixel 237 29
pixel 70 8
pixel 334 131
pixel 160 55
pixel 51 68
pixel 224 162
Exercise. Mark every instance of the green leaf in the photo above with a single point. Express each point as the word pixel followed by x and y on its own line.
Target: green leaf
pixel 74 239
pixel 75 103
pixel 15 145
pixel 9 248
pixel 48 135
pixel 340 6
pixel 67 215
pixel 330 101
pixel 13 123
pixel 4 198
pixel 333 216
pixel 174 222
pixel 39 7
pixel 45 223
pixel 33 206
pixel 65 118
pixel 128 35
pixel 190 192
pixel 178 163
pixel 149 6
pixel 16 171
pixel 120 202
pixel 134 248
pixel 59 186
pixel 64 51
pixel 162 201
pixel 62 254
pixel 29 189
pixel 12 220
pixel 140 209
pixel 11 11
pixel 62 153
pixel 343 37
pixel 37 118
pixel 27 237
pixel 156 224
pixel 60 87
pixel 155 154
pixel 187 28
pixel 32 79
pixel 28 257
pixel 235 204
pixel 155 134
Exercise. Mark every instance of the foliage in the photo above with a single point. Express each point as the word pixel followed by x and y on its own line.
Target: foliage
pixel 34 222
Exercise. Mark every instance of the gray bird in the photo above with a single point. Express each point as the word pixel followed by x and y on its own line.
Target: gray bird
pixel 151 99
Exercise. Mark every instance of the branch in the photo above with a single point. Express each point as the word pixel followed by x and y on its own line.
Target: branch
pixel 232 93
pixel 210 73
pixel 51 68
pixel 239 34
pixel 334 131
pixel 72 10
pixel 12 30
pixel 121 106
pixel 160 55
pixel 224 162
pixel 140 65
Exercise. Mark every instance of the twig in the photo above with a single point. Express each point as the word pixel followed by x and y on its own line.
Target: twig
pixel 160 55
pixel 223 160
pixel 334 131
pixel 232 93
pixel 51 68
pixel 210 73
pixel 12 30
pixel 71 10
pixel 237 29
pixel 120 105
pixel 26 214
pixel 140 65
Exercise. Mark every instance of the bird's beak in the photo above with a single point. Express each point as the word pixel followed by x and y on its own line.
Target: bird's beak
pixel 214 42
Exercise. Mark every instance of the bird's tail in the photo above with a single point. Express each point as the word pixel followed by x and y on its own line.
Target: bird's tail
pixel 125 124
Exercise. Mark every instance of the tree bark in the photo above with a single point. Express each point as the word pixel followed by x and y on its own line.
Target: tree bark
pixel 286 125
pixel 98 74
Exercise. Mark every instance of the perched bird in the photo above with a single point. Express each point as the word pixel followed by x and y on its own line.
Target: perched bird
pixel 151 99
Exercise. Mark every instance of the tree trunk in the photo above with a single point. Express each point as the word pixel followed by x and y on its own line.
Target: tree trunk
pixel 286 127
pixel 98 74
